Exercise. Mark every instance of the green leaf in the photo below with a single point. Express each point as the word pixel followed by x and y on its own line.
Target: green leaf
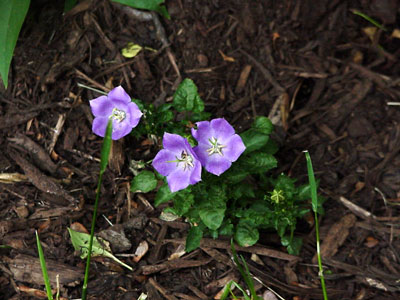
pixel 285 184
pixel 183 201
pixel 12 15
pixel 154 5
pixel 242 189
pixel 211 216
pixel 80 241
pixel 193 238
pixel 257 162
pixel 293 245
pixel 271 147
pixel 186 97
pixel 253 140
pixel 106 148
pixel 246 234
pixel 44 268
pixel 235 174
pixel 263 125
pixel 69 4
pixel 163 195
pixel 144 182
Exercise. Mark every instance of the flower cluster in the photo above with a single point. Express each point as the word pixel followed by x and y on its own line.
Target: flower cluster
pixel 117 105
pixel 218 146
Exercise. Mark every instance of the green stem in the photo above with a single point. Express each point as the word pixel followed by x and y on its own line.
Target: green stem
pixel 86 279
pixel 321 270
pixel 105 152
pixel 314 204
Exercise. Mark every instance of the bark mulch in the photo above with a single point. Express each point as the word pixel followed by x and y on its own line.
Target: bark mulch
pixel 326 77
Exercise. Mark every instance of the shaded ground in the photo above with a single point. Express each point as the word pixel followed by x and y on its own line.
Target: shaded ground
pixel 311 68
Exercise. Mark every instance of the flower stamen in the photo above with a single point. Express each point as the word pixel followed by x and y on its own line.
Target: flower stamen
pixel 215 147
pixel 118 115
pixel 186 159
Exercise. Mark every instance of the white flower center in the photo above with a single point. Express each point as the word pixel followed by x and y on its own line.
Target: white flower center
pixel 215 147
pixel 186 159
pixel 118 115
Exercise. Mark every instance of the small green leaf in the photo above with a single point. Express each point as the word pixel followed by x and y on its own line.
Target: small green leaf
pixel 163 195
pixel 271 147
pixel 69 4
pixel 246 235
pixel 193 238
pixel 12 16
pixel 293 245
pixel 212 217
pixel 80 241
pixel 144 182
pixel 263 125
pixel 183 201
pixel 257 162
pixel 254 140
pixel 186 97
pixel 154 5
pixel 131 50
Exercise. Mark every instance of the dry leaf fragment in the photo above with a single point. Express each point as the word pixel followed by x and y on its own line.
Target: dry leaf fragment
pixel 371 242
pixel 141 250
pixel 225 57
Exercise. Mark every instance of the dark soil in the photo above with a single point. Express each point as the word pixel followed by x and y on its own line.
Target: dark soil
pixel 312 68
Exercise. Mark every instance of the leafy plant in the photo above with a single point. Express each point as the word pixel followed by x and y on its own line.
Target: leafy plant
pixel 242 198
pixel 164 118
pixel 12 15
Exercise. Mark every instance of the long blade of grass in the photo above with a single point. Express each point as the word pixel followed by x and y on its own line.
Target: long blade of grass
pixel 314 202
pixel 369 19
pixel 244 272
pixel 44 268
pixel 105 152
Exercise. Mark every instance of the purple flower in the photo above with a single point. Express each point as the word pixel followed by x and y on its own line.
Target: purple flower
pixel 178 162
pixel 118 106
pixel 218 145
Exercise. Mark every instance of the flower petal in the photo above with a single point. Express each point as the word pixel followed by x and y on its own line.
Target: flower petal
pixel 101 106
pixel 202 154
pixel 204 132
pixel 178 180
pixel 162 162
pixel 119 94
pixel 196 173
pixel 175 143
pixel 235 147
pixel 120 129
pixel 134 114
pixel 99 126
pixel 217 164
pixel 223 130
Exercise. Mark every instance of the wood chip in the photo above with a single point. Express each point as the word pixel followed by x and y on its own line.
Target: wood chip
pixel 27 269
pixel 39 180
pixel 336 236
pixel 244 75
pixel 221 244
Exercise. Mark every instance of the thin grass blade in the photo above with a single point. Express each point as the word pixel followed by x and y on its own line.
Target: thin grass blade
pixel 44 268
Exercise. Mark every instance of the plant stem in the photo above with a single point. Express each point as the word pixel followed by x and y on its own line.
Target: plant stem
pixel 314 202
pixel 86 279
pixel 105 152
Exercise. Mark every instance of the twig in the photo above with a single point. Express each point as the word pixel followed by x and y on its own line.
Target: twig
pixel 57 131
